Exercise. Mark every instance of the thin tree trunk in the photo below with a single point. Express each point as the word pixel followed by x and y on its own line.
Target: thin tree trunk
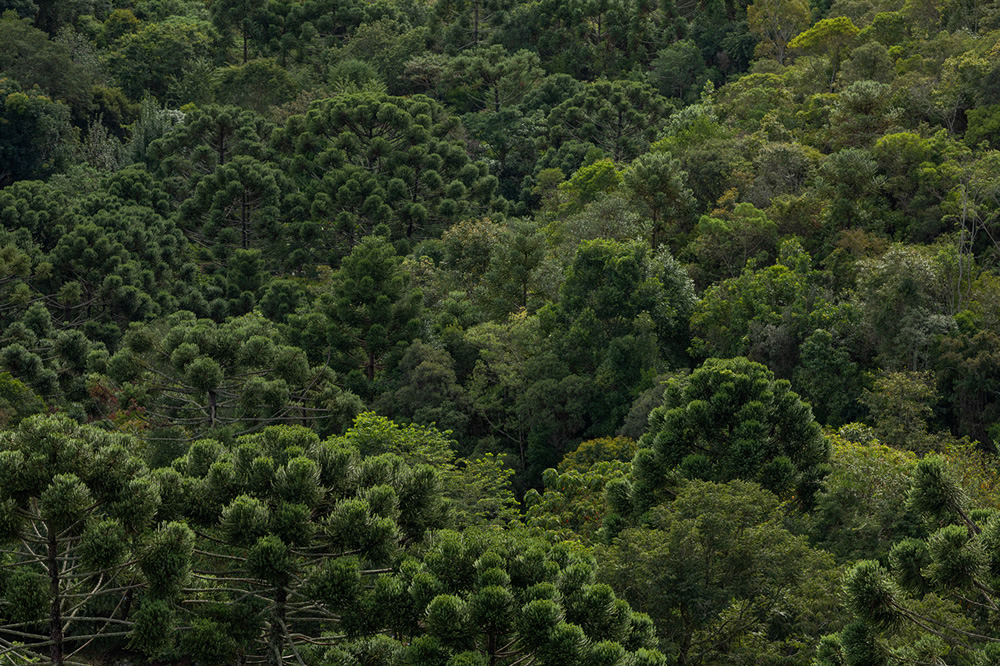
pixel 55 607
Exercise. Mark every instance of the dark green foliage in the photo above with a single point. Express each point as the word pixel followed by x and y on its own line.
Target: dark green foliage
pixel 236 207
pixel 88 492
pixel 37 138
pixel 621 118
pixel 32 59
pixel 494 596
pixel 366 160
pixel 372 309
pixel 231 378
pixel 730 419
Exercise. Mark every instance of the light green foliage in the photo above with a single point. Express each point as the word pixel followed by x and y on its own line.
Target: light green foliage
pixel 588 184
pixel 478 486
pixel 572 506
pixel 468 247
pixel 766 313
pixel 150 58
pixel 722 579
pixel 829 37
pixel 777 22
pixel 484 494
pixel 900 404
pixel 602 449
pixel 862 506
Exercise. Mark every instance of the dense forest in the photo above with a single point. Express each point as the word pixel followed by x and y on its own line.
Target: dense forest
pixel 500 332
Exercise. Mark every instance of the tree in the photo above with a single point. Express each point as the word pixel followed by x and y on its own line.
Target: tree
pixel 906 297
pixel 828 37
pixel 622 314
pixel 259 85
pixel 224 379
pixel 937 596
pixel 861 509
pixel 507 284
pixel 495 78
pixel 296 535
pixel 365 160
pixel 78 515
pixel 147 60
pixel 724 244
pixel 657 180
pixel 207 138
pixel 476 489
pixel 237 206
pixel 735 316
pixel 471 23
pixel 32 59
pixel 481 597
pixel 730 419
pixel 427 391
pixel 900 404
pixel 829 379
pixel 679 71
pixel 38 138
pixel 777 22
pixel 239 14
pixel 500 378
pixel 722 579
pixel 620 117
pixel 372 309
pixel 571 504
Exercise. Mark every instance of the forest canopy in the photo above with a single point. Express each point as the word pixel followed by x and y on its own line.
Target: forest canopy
pixel 507 332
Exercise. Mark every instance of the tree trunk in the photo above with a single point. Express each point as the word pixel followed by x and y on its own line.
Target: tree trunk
pixel 211 409
pixel 276 634
pixel 55 607
pixel 245 221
